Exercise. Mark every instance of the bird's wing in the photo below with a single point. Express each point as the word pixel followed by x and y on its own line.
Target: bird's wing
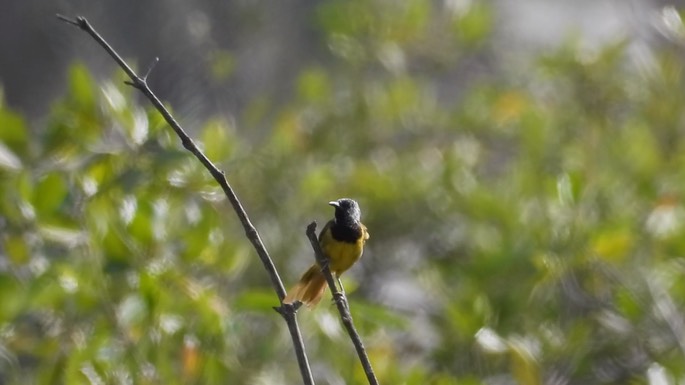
pixel 325 228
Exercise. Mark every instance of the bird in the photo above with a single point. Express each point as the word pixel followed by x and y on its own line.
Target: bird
pixel 342 241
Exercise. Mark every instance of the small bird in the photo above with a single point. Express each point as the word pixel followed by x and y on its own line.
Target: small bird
pixel 342 241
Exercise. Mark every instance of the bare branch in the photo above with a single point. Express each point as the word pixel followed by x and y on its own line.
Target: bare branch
pixel 342 305
pixel 140 83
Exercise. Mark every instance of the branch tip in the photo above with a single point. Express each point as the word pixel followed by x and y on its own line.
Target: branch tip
pixel 311 229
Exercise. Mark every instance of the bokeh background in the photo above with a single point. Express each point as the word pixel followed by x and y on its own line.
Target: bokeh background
pixel 520 167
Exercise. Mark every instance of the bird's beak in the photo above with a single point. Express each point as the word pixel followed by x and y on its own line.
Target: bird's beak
pixel 334 203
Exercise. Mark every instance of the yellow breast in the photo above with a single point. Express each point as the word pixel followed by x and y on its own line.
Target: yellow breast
pixel 342 255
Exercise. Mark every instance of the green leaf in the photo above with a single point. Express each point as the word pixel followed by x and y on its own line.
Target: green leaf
pixel 117 251
pixel 314 86
pixel 13 297
pixel 140 227
pixel 81 86
pixel 256 300
pixel 16 248
pixel 524 365
pixel 216 140
pixel 13 132
pixel 49 193
pixel 475 24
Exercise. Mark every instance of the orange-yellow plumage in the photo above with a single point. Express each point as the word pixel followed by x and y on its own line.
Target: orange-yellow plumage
pixel 342 242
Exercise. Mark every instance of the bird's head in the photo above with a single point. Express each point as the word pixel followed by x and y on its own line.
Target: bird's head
pixel 346 210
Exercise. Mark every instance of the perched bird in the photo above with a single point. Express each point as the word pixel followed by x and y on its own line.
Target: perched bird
pixel 342 241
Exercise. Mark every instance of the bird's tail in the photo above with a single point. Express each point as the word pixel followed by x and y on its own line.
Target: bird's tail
pixel 309 289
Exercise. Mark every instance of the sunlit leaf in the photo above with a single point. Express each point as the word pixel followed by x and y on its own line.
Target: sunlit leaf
pixel 131 311
pixel 524 365
pixel 68 237
pixel 8 160
pixel 613 246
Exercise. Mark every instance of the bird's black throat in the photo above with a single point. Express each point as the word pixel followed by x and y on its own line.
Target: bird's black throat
pixel 344 231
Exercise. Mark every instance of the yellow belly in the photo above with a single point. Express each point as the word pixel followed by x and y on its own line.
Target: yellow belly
pixel 342 255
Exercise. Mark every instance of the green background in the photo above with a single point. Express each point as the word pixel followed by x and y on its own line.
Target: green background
pixel 529 230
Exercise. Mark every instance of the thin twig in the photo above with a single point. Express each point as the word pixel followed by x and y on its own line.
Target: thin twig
pixel 140 83
pixel 341 304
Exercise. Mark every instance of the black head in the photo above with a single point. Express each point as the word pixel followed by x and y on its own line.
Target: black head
pixel 346 210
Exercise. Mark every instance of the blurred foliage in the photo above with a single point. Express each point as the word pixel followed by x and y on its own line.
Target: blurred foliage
pixel 529 232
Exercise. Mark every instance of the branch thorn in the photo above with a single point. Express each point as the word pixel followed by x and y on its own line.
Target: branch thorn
pixel 68 20
pixel 150 68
